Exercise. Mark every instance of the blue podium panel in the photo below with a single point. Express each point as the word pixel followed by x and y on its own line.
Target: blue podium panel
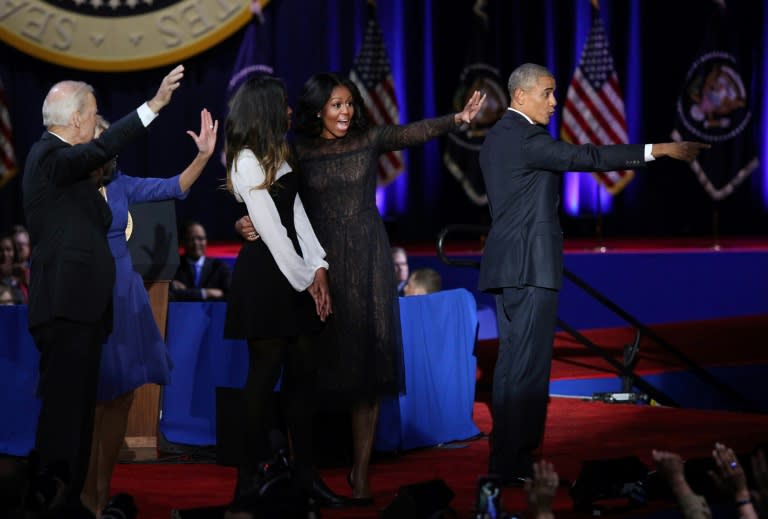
pixel 439 332
pixel 202 360
pixel 19 364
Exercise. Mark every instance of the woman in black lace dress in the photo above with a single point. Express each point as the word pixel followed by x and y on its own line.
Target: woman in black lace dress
pixel 338 156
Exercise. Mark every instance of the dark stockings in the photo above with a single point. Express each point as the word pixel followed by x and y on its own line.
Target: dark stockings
pixel 268 359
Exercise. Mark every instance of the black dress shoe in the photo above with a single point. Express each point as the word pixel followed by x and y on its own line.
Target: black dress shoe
pixel 260 479
pixel 325 497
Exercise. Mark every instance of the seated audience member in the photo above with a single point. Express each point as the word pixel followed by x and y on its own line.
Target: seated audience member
pixel 7 253
pixel 23 257
pixel 422 282
pixel 400 259
pixel 21 239
pixel 198 277
pixel 12 273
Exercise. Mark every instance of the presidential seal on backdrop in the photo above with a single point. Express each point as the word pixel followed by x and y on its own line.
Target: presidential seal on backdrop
pixel 119 35
pixel 714 108
pixel 714 105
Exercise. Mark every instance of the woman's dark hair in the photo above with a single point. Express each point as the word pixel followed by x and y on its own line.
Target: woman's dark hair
pixel 258 121
pixel 316 92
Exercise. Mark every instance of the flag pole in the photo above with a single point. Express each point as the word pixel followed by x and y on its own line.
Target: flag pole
pixel 599 221
pixel 715 226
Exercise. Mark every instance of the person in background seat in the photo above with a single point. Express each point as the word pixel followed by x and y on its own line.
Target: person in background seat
pixel 199 277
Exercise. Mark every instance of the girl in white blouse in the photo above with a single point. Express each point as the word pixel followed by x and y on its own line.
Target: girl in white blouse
pixel 279 296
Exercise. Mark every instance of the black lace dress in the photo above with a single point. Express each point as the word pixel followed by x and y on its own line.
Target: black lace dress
pixel 363 352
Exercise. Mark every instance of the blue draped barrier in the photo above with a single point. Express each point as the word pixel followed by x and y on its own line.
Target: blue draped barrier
pixel 202 360
pixel 19 360
pixel 439 334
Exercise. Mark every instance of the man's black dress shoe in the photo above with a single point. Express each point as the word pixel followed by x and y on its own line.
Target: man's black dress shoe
pixel 326 497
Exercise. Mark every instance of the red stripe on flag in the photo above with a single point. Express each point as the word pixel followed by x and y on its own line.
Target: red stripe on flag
pixel 602 123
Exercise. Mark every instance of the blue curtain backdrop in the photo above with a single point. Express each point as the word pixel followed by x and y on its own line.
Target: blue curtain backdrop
pixel 653 42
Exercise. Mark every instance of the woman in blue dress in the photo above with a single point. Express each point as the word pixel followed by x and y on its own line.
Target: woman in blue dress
pixel 135 353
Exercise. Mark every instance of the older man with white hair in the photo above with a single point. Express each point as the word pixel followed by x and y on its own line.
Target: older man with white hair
pixel 70 300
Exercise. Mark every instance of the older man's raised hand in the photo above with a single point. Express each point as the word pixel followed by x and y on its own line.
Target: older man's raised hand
pixel 167 87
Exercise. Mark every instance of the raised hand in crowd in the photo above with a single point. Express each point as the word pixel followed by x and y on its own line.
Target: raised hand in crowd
pixel 671 466
pixel 731 479
pixel 760 475
pixel 541 489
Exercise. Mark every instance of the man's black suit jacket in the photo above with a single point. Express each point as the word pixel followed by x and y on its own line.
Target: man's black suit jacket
pixel 214 274
pixel 72 271
pixel 522 166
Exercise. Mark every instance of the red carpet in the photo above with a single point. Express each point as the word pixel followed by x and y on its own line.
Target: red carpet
pixel 576 430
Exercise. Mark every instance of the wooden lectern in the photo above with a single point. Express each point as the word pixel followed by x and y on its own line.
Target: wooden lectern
pixel 155 253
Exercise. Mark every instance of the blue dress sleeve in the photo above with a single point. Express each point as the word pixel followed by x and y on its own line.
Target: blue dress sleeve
pixel 152 189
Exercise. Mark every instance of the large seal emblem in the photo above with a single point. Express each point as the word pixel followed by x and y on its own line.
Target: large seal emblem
pixel 119 35
pixel 714 108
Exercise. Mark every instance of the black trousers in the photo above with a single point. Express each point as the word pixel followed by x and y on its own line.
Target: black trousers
pixel 70 353
pixel 294 358
pixel 526 318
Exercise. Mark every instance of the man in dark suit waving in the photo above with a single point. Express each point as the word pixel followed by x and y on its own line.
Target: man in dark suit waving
pixel 72 270
pixel 522 262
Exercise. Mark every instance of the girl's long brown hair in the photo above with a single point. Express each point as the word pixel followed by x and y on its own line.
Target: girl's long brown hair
pixel 258 121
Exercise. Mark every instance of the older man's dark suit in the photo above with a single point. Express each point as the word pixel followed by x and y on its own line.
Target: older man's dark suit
pixel 72 275
pixel 522 264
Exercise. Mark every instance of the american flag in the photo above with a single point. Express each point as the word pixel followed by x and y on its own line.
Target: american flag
pixel 7 157
pixel 594 109
pixel 372 75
